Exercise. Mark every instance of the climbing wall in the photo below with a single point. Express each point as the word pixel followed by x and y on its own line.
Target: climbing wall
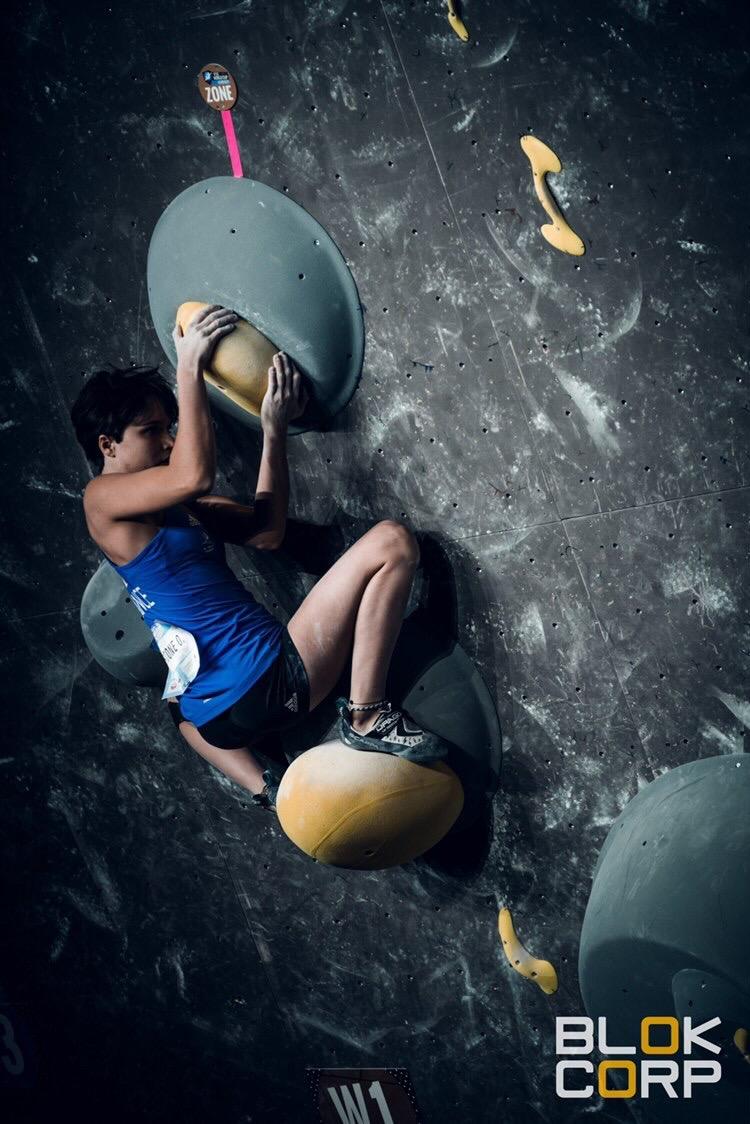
pixel 567 434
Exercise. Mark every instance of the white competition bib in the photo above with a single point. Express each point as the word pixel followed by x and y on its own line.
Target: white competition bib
pixel 180 651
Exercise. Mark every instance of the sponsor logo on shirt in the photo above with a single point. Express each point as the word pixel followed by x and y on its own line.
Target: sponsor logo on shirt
pixel 141 600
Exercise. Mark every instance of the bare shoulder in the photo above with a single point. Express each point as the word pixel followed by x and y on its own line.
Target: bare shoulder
pixel 93 491
pixel 120 539
pixel 95 510
pixel 92 496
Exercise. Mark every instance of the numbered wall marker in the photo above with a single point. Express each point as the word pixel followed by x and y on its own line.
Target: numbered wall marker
pixel 363 1096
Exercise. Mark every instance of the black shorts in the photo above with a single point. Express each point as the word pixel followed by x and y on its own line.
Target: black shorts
pixel 280 698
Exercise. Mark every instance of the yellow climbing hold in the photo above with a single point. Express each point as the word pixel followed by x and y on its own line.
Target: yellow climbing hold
pixel 456 22
pixel 540 971
pixel 543 161
pixel 741 1040
pixel 239 364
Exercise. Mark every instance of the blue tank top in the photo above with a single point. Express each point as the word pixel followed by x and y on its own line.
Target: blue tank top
pixel 182 578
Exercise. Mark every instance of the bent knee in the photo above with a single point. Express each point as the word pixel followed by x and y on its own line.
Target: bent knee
pixel 397 540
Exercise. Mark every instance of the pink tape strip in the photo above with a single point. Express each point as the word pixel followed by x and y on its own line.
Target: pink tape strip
pixel 234 152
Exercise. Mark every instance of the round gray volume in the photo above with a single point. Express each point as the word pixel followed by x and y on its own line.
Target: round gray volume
pixel 241 244
pixel 666 927
pixel 115 633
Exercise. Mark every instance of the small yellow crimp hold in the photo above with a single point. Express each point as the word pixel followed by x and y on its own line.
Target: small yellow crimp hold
pixel 540 971
pixel 457 23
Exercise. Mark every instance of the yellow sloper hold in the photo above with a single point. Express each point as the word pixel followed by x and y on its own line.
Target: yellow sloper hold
pixel 558 233
pixel 457 23
pixel 742 1040
pixel 540 971
pixel 240 362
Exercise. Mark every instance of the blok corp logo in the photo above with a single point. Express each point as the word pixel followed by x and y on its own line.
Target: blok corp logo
pixel 676 1077
pixel 363 1096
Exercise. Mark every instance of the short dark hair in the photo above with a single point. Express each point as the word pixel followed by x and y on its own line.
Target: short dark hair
pixel 112 399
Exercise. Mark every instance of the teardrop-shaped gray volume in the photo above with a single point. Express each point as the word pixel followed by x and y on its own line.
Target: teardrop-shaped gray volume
pixel 241 244
pixel 115 633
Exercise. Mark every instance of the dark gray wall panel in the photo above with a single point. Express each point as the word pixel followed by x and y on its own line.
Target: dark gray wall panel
pixel 629 360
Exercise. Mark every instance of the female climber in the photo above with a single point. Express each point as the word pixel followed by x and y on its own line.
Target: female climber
pixel 236 673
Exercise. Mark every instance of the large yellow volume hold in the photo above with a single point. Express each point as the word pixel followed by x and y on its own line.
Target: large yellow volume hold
pixel 540 971
pixel 240 362
pixel 366 810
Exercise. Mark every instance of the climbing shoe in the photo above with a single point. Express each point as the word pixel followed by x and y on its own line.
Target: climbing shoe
pixel 266 798
pixel 394 731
